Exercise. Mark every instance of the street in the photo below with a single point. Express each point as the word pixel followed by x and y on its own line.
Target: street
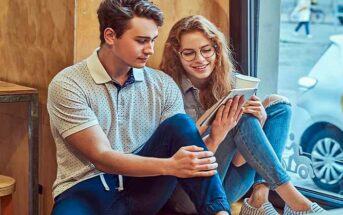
pixel 297 56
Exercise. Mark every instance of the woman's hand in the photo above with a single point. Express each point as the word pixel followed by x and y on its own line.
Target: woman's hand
pixel 226 118
pixel 254 107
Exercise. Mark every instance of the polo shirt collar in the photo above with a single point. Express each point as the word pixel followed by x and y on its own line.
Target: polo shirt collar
pixel 99 74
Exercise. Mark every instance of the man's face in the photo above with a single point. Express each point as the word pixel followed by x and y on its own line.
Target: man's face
pixel 136 45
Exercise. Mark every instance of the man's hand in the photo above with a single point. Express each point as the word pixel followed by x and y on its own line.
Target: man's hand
pixel 255 108
pixel 192 161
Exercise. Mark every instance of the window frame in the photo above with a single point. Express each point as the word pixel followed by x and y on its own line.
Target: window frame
pixel 251 29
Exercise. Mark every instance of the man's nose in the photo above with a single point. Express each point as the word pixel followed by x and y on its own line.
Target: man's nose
pixel 149 48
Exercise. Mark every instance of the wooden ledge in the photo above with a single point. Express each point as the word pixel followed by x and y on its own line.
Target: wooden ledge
pixel 9 88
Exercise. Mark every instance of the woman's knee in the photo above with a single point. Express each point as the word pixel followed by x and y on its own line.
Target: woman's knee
pixel 274 99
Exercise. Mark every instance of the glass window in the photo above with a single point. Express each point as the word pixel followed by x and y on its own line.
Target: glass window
pixel 311 76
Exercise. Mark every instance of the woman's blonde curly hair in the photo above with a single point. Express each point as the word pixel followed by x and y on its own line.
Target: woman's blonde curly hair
pixel 219 83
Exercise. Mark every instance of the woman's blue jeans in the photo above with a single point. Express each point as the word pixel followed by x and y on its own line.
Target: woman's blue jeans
pixel 262 148
pixel 307 27
pixel 146 195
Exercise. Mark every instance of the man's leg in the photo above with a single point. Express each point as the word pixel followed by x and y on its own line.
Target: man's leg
pixel 90 197
pixel 147 195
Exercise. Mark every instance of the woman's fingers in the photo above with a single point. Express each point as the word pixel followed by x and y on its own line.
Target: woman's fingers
pixel 239 115
pixel 233 108
pixel 239 108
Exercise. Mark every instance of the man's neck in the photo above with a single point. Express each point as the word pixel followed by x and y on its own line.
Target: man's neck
pixel 114 67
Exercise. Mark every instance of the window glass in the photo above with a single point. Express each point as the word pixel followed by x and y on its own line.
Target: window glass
pixel 311 76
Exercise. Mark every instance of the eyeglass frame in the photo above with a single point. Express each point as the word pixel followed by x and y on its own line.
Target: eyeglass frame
pixel 214 52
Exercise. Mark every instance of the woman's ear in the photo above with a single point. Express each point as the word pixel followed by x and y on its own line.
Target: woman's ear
pixel 109 36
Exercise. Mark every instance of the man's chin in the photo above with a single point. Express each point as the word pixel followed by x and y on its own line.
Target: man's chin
pixel 139 65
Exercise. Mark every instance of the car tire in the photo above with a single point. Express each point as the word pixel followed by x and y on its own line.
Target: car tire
pixel 340 19
pixel 325 147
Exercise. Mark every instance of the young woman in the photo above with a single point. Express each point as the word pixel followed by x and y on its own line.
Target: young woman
pixel 197 57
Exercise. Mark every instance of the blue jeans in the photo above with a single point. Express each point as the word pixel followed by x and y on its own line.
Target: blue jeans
pixel 307 27
pixel 146 195
pixel 262 148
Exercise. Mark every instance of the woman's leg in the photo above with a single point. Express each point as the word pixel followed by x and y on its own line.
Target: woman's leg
pixel 276 129
pixel 307 28
pixel 298 26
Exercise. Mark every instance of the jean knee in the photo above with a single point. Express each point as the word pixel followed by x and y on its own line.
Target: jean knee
pixel 274 99
pixel 180 122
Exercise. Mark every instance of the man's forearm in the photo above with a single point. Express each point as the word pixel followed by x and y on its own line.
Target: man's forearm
pixel 132 165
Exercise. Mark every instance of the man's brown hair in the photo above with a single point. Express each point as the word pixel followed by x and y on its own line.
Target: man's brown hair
pixel 116 14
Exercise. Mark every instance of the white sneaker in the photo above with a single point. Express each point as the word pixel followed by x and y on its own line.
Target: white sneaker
pixel 309 36
pixel 315 208
pixel 266 209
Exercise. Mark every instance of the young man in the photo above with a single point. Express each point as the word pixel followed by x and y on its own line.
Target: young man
pixel 122 139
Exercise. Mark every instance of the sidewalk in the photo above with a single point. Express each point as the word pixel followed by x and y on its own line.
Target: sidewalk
pixel 321 33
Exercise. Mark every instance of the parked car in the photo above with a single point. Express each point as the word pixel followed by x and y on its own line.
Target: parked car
pixel 339 13
pixel 318 116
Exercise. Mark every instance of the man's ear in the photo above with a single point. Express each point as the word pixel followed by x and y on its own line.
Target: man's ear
pixel 109 36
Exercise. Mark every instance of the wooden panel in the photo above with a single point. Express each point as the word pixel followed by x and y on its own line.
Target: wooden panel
pixel 36 42
pixel 215 10
pixel 14 151
pixel 87 27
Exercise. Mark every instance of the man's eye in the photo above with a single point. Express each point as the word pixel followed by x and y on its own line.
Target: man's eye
pixel 141 41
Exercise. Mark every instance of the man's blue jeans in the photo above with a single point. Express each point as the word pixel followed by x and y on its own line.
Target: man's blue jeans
pixel 146 195
pixel 261 147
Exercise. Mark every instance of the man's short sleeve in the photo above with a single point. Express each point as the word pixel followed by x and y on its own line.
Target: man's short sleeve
pixel 173 99
pixel 68 107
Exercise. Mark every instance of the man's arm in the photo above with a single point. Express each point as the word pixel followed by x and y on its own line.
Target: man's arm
pixel 190 161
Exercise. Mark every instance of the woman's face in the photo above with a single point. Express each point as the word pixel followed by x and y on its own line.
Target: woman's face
pixel 197 56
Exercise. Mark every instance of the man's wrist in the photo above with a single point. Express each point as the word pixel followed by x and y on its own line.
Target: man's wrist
pixel 165 166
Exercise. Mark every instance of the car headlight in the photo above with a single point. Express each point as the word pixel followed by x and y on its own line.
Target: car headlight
pixel 307 82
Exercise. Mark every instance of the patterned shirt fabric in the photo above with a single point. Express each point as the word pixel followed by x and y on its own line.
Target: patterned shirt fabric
pixel 84 95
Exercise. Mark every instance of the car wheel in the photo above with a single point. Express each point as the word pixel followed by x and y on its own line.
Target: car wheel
pixel 340 19
pixel 326 149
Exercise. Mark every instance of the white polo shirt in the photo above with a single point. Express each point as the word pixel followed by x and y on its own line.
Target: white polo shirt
pixel 84 95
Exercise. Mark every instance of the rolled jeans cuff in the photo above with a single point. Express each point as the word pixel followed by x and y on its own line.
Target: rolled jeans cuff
pixel 275 185
pixel 215 206
pixel 280 182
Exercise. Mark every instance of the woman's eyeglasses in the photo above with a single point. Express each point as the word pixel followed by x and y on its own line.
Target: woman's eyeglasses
pixel 190 54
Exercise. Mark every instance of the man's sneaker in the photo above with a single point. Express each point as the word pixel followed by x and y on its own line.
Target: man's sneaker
pixel 309 36
pixel 315 208
pixel 266 209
